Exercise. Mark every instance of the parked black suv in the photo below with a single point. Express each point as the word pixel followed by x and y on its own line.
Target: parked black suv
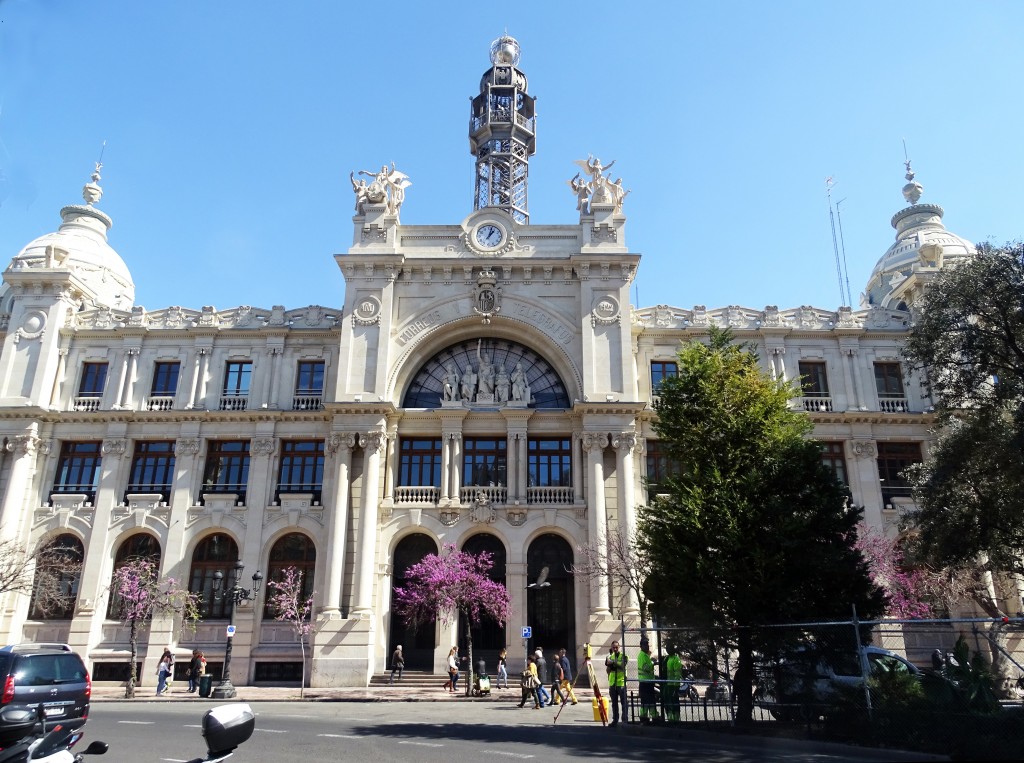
pixel 50 675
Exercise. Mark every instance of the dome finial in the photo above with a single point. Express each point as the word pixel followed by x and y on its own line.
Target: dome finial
pixel 92 192
pixel 505 51
pixel 912 190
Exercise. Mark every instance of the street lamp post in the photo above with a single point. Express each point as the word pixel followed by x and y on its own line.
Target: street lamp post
pixel 235 595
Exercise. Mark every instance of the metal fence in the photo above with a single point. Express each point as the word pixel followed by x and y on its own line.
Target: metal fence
pixel 851 678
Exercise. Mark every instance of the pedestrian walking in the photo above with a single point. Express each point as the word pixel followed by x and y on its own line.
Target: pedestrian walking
pixel 615 664
pixel 557 672
pixel 563 658
pixel 502 668
pixel 453 669
pixel 397 663
pixel 530 683
pixel 543 677
pixel 163 672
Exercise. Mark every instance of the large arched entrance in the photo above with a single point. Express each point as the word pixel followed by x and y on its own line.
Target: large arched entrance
pixel 417 643
pixel 551 609
pixel 489 637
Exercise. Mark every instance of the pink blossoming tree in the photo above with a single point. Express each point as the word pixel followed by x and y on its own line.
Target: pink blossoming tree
pixel 289 605
pixel 909 591
pixel 447 585
pixel 139 593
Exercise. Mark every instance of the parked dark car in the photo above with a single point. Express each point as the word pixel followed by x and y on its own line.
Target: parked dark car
pixel 40 678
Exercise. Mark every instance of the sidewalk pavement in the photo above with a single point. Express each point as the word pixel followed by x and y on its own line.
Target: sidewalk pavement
pixel 111 692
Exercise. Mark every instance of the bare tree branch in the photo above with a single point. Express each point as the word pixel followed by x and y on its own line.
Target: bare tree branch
pixel 49 574
pixel 618 559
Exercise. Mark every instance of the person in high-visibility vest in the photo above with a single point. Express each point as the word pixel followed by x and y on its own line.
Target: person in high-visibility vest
pixel 674 673
pixel 645 672
pixel 615 664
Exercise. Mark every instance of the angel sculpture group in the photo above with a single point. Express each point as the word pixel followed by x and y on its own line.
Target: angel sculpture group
pixel 387 187
pixel 599 189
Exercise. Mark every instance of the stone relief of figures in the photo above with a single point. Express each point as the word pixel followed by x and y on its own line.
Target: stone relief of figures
pixel 485 383
pixel 599 189
pixel 387 186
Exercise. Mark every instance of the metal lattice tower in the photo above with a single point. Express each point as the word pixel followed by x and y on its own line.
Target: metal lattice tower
pixel 502 133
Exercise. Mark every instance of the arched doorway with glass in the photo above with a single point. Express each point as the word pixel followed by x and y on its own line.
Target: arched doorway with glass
pixel 489 637
pixel 294 550
pixel 56 578
pixel 551 608
pixel 137 546
pixel 217 552
pixel 417 643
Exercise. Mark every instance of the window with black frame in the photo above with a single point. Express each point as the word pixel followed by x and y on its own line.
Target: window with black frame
pixel 813 378
pixel 834 458
pixel 165 378
pixel 78 468
pixel 152 468
pixel 419 462
pixel 293 550
pixel 549 462
pixel 660 466
pixel 227 467
pixel 217 552
pixel 137 546
pixel 893 458
pixel 484 461
pixel 661 370
pixel 93 381
pixel 302 467
pixel 56 579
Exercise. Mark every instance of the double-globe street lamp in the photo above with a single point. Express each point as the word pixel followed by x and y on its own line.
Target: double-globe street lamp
pixel 235 595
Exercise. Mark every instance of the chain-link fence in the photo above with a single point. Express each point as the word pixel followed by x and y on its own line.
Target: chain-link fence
pixel 921 683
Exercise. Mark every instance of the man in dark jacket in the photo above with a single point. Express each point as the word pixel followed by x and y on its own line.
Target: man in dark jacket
pixel 563 658
pixel 545 678
pixel 397 664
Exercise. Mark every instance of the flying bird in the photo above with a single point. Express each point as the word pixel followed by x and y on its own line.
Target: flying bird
pixel 542 579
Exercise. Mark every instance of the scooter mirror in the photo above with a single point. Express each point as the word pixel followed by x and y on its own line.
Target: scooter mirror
pixel 96 748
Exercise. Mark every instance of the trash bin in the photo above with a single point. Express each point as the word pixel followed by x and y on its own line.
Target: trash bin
pixel 597 710
pixel 205 685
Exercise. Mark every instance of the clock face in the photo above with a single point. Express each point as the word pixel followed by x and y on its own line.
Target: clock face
pixel 490 235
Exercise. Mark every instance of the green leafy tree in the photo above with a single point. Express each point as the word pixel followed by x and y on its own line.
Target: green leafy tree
pixel 968 341
pixel 753 529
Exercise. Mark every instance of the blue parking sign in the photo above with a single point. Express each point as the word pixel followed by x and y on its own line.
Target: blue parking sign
pixel 527 631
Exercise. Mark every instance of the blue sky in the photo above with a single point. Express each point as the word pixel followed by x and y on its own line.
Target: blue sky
pixel 231 128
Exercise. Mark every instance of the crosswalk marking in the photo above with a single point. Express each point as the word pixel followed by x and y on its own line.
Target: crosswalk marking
pixel 423 744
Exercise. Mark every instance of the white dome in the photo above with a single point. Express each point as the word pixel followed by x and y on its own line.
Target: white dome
pixel 921 241
pixel 80 245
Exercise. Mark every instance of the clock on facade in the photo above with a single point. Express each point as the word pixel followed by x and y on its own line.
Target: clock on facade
pixel 490 236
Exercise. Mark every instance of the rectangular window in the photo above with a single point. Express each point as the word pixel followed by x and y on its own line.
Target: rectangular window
pixel 813 378
pixel 661 370
pixel 888 380
pixel 660 466
pixel 236 377
pixel 227 467
pixel 78 470
pixel 483 461
pixel 893 458
pixel 165 379
pixel 550 462
pixel 152 468
pixel 419 462
pixel 833 457
pixel 94 379
pixel 309 379
pixel 302 467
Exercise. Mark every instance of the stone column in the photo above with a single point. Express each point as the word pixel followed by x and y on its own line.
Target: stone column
pixel 129 383
pixel 456 452
pixel 446 468
pixel 270 391
pixel 864 480
pixel 197 371
pixel 511 476
pixel 389 467
pixel 577 468
pixel 23 450
pixel 339 447
pixel 850 377
pixel 123 380
pixel 594 444
pixel 625 444
pixel 373 443
pixel 522 467
pixel 58 380
pixel 204 365
pixel 779 357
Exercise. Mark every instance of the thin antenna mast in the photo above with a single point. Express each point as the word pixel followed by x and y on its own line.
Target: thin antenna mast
pixel 829 182
pixel 842 245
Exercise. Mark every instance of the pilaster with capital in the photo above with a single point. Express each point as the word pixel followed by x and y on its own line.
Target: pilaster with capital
pixel 626 444
pixel 23 450
pixel 594 444
pixel 339 448
pixel 373 444
pixel 856 400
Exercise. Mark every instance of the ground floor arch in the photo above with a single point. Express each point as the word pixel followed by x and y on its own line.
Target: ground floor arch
pixel 489 637
pixel 417 643
pixel 551 601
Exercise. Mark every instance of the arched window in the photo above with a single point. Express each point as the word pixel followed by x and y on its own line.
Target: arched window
pixel 551 609
pixel 417 643
pixel 215 552
pixel 293 550
pixel 58 573
pixel 138 546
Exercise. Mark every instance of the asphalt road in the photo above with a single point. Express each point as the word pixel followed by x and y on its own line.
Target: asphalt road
pixel 430 732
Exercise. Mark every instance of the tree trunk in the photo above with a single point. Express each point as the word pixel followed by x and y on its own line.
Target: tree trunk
pixel 469 651
pixel 133 640
pixel 302 650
